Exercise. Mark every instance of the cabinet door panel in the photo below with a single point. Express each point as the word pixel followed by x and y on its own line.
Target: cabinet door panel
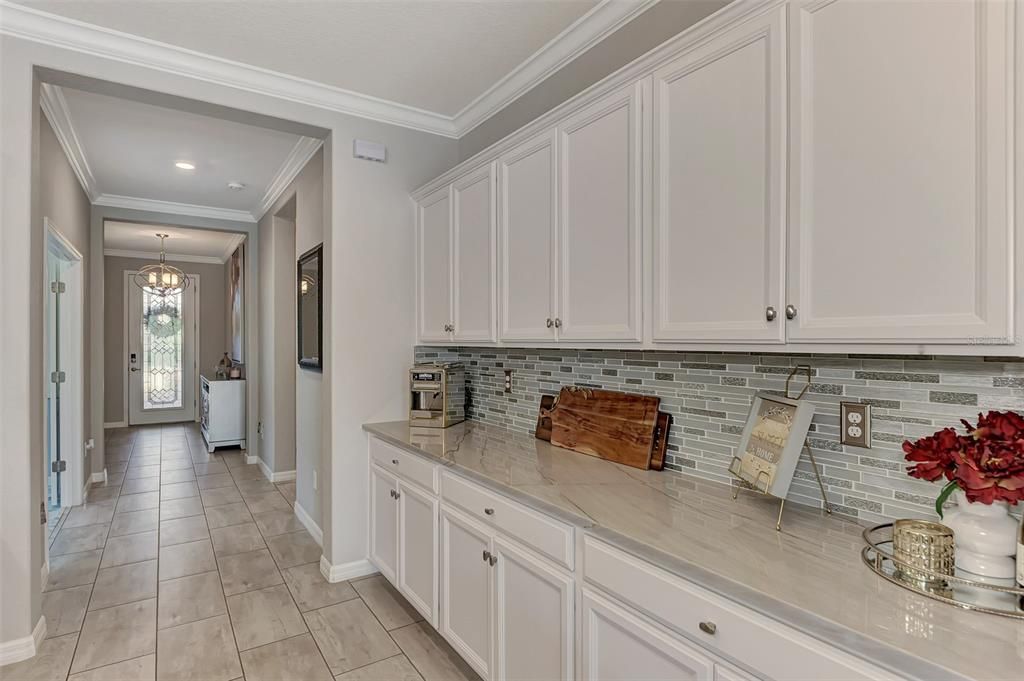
pixel 384 523
pixel 719 203
pixel 433 266
pixel 526 234
pixel 466 589
pixel 474 232
pixel 901 177
pixel 417 554
pixel 619 646
pixel 533 604
pixel 599 194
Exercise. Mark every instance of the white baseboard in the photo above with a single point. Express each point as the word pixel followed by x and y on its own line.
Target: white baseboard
pixel 100 478
pixel 281 476
pixel 25 647
pixel 339 573
pixel 116 424
pixel 85 489
pixel 308 522
pixel 251 459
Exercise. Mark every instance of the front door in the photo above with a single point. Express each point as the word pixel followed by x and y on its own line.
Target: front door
pixel 161 355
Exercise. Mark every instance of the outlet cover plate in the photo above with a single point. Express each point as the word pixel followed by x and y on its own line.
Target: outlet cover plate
pixel 855 424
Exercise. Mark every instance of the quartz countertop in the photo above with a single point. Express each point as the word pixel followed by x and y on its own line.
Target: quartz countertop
pixel 808 576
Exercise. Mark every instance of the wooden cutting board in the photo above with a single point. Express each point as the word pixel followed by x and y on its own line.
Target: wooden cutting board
pixel 611 425
pixel 660 441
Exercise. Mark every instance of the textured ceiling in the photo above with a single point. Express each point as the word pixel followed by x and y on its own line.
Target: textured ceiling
pixel 205 243
pixel 437 55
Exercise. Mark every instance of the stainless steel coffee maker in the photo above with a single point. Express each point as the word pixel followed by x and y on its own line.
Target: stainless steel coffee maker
pixel 438 394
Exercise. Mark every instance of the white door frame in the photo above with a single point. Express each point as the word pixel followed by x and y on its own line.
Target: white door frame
pixel 72 353
pixel 126 411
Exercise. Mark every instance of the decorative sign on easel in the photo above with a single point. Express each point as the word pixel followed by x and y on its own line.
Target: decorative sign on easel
pixel 771 443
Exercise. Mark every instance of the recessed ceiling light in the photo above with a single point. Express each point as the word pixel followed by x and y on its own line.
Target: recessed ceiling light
pixel 184 165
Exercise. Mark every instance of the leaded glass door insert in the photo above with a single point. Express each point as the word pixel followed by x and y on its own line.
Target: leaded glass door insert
pixel 162 351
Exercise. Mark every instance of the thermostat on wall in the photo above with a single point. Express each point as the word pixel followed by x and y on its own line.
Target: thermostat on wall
pixel 369 151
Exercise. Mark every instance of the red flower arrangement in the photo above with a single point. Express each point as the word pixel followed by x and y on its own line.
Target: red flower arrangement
pixel 987 463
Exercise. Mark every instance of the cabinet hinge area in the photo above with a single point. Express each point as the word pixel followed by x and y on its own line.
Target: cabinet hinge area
pixel 58 287
pixel 58 466
pixel 58 377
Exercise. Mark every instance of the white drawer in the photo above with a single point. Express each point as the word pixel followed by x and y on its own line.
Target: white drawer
pixel 403 464
pixel 546 535
pixel 773 649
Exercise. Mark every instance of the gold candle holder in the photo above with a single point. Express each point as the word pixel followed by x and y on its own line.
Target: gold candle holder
pixel 923 544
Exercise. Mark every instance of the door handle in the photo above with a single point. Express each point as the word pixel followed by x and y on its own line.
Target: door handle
pixel 134 368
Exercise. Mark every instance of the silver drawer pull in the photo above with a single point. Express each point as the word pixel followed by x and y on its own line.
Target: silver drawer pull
pixel 394 461
pixel 489 511
pixel 708 627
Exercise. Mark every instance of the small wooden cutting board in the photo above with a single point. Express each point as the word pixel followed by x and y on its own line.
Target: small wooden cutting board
pixel 616 426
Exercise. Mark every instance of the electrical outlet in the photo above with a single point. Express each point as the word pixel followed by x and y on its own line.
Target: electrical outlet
pixel 259 429
pixel 316 481
pixel 90 443
pixel 508 380
pixel 855 424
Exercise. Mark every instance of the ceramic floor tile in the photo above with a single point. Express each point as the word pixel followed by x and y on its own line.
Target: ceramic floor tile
pixel 311 591
pixel 88 514
pixel 203 650
pixel 188 599
pixel 213 468
pixel 78 539
pixel 220 496
pixel 172 465
pixel 180 508
pixel 139 485
pixel 138 502
pixel 139 471
pixel 130 548
pixel 294 548
pixel 236 539
pixel 124 584
pixel 51 663
pixel 397 668
pixel 255 486
pixel 73 569
pixel 135 522
pixel 215 481
pixel 179 490
pixel 170 476
pixel 240 473
pixel 387 604
pixel 349 636
pixel 64 610
pixel 277 522
pixel 181 560
pixel 294 659
pixel 264 616
pixel 228 514
pixel 266 501
pixel 287 490
pixel 431 654
pixel 181 530
pixel 234 459
pixel 116 634
pixel 114 479
pixel 137 669
pixel 247 571
pixel 104 496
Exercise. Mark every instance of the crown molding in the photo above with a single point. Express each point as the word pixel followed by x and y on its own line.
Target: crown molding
pixel 235 242
pixel 293 164
pixel 155 255
pixel 51 29
pixel 593 27
pixel 134 203
pixel 55 107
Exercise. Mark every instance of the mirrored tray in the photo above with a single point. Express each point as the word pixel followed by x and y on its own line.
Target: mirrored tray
pixel 964 590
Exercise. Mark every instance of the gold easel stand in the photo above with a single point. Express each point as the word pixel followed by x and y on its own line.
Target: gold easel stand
pixel 768 480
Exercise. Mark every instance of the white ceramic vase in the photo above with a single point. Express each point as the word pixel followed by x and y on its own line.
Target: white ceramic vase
pixel 985 536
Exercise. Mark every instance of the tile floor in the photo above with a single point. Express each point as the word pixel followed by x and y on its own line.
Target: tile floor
pixel 192 566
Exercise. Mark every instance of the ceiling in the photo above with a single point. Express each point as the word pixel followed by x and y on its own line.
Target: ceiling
pixel 127 152
pixel 130 239
pixel 396 50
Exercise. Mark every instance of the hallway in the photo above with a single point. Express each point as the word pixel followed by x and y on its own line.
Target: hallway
pixel 188 565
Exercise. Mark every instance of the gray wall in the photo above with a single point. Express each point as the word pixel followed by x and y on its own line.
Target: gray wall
pixel 664 20
pixel 213 325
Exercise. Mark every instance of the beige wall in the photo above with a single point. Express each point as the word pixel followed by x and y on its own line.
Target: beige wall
pixel 664 20
pixel 213 325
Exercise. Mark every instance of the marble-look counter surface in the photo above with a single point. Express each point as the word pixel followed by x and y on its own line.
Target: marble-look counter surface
pixel 808 576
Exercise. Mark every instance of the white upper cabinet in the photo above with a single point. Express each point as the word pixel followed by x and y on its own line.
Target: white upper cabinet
pixel 600 218
pixel 433 266
pixel 718 198
pixel 474 254
pixel 901 158
pixel 526 240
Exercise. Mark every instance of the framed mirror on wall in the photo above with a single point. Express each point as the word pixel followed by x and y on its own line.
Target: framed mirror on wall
pixel 310 308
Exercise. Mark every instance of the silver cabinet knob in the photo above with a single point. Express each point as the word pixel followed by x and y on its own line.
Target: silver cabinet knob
pixel 487 556
pixel 492 560
pixel 770 313
pixel 394 461
pixel 790 312
pixel 397 495
pixel 558 323
pixel 489 511
pixel 392 493
pixel 551 322
pixel 708 628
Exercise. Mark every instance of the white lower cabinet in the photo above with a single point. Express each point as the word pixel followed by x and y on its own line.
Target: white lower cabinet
pixel 384 523
pixel 466 583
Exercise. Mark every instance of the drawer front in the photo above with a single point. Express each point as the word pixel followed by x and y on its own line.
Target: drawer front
pixel 547 536
pixel 407 466
pixel 773 649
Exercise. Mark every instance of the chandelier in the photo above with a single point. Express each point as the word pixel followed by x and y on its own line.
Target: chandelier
pixel 161 279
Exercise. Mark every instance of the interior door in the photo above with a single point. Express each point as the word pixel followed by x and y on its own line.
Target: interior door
pixel 417 550
pixel 473 236
pixel 54 460
pixel 434 270
pixel 161 354
pixel 466 579
pixel 384 523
